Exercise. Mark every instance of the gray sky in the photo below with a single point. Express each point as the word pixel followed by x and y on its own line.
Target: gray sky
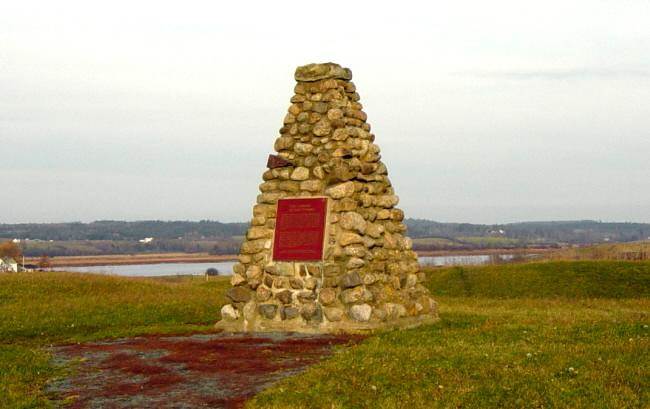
pixel 485 112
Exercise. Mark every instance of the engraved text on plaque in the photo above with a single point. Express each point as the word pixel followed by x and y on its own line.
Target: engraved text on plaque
pixel 299 229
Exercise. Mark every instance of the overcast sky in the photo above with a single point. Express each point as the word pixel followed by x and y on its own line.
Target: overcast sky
pixel 486 112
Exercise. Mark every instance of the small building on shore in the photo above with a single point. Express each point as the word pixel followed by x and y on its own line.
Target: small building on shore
pixel 8 265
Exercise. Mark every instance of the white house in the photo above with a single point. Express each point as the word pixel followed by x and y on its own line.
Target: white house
pixel 9 265
pixel 146 240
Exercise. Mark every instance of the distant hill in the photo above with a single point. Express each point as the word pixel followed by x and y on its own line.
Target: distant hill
pixel 572 232
pixel 120 237
pixel 120 230
pixel 581 231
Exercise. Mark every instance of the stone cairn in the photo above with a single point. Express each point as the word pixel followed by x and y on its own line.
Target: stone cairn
pixel 369 276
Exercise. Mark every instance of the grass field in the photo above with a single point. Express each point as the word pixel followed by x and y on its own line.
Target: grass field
pixel 638 250
pixel 552 334
pixel 526 335
pixel 559 279
pixel 40 309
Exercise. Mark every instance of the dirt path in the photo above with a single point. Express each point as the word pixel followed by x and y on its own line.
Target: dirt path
pixel 201 370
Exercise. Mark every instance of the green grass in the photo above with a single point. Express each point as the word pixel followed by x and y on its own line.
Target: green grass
pixel 487 353
pixel 571 279
pixel 40 309
pixel 23 372
pixel 557 334
pixel 551 334
pixel 638 250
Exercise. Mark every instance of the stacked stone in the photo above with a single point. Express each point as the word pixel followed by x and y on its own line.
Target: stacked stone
pixel 369 276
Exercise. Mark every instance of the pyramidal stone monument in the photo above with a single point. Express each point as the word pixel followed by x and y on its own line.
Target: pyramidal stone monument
pixel 326 249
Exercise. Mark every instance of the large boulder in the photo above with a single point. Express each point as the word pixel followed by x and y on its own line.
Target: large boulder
pixel 268 311
pixel 316 72
pixel 239 294
pixel 350 280
pixel 228 312
pixel 361 312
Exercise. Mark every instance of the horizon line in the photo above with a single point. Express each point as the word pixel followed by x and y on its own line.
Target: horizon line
pixel 247 222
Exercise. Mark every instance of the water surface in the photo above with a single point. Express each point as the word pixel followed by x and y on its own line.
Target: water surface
pixel 225 267
pixel 162 269
pixel 465 260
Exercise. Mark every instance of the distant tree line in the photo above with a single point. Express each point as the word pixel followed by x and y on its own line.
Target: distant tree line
pixel 572 232
pixel 103 247
pixel 9 249
pixel 119 237
pixel 120 230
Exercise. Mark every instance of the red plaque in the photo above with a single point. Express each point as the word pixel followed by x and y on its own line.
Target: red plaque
pixel 300 229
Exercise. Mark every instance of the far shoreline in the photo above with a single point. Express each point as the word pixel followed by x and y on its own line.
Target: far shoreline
pixel 131 259
pixel 166 258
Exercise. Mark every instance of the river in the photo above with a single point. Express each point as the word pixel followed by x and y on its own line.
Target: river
pixel 225 267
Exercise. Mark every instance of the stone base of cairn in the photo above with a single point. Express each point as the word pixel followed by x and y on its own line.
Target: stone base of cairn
pixel 369 276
